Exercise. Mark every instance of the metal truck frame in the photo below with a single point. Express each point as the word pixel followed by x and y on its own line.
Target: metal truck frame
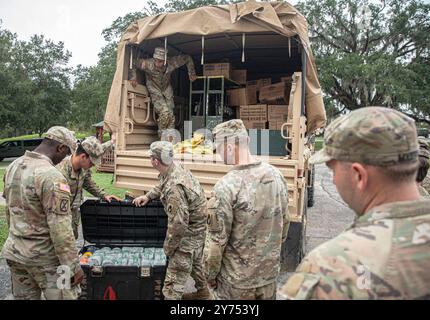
pixel 133 169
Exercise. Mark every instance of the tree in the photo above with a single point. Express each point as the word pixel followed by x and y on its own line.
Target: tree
pixel 8 86
pixel 34 83
pixel 44 81
pixel 91 89
pixel 372 53
pixel 92 84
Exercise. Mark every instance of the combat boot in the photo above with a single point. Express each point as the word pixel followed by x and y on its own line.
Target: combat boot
pixel 202 294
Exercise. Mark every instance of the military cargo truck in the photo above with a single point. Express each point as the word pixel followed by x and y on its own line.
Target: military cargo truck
pixel 269 40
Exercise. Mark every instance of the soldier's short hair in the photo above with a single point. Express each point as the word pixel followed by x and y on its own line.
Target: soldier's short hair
pixel 400 172
pixel 80 150
pixel 50 142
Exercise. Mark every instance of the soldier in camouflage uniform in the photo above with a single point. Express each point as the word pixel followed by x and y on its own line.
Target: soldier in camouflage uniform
pixel 38 214
pixel 385 254
pixel 424 156
pixel 77 170
pixel 185 204
pixel 248 221
pixel 158 71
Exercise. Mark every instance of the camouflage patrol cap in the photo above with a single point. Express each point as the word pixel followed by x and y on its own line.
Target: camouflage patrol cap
pixel 229 129
pixel 160 53
pixel 162 150
pixel 62 135
pixel 94 149
pixel 424 148
pixel 373 135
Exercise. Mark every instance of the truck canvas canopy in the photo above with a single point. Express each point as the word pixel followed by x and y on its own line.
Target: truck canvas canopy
pixel 240 33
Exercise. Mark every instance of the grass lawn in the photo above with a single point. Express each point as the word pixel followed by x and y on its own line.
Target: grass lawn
pixel 319 143
pixel 104 180
pixel 3 226
pixel 1 180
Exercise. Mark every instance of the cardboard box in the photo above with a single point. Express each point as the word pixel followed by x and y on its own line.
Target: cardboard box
pixel 275 94
pixel 258 124
pixel 217 69
pixel 241 97
pixel 253 112
pixel 277 112
pixel 275 125
pixel 253 92
pixel 259 83
pixel 239 76
pixel 255 124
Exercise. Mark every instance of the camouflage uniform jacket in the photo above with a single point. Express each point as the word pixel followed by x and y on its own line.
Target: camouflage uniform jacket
pixel 423 192
pixel 158 81
pixel 384 255
pixel 78 181
pixel 248 220
pixel 426 183
pixel 38 214
pixel 185 204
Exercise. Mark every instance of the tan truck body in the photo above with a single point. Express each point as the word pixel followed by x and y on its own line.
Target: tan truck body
pixel 133 169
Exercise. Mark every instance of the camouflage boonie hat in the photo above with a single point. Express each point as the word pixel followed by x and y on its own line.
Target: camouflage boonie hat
pixel 162 150
pixel 424 148
pixel 373 135
pixel 63 136
pixel 229 129
pixel 160 53
pixel 94 149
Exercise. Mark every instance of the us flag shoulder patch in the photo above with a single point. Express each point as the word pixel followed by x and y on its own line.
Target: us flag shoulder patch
pixel 64 187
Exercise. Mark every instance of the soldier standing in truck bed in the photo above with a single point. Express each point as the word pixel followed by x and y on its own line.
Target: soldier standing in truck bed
pixel 185 204
pixel 158 71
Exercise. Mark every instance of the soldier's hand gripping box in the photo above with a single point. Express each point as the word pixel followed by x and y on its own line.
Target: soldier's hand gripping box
pixel 123 257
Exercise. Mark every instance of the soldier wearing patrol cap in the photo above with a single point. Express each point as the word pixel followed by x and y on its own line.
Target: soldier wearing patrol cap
pixel 38 213
pixel 77 170
pixel 424 156
pixel 158 71
pixel 185 204
pixel 385 254
pixel 248 221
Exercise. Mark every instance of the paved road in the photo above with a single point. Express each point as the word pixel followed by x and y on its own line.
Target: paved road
pixel 326 219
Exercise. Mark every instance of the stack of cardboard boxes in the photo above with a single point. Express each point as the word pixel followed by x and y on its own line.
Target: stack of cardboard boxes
pixel 217 69
pixel 271 113
pixel 254 116
pixel 277 115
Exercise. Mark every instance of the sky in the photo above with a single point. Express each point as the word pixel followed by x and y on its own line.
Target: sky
pixel 78 23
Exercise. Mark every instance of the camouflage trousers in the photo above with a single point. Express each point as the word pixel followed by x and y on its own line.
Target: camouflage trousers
pixel 164 109
pixel 28 283
pixel 183 264
pixel 225 291
pixel 76 221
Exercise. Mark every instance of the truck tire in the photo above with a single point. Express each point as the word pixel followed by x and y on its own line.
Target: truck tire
pixel 311 188
pixel 294 248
